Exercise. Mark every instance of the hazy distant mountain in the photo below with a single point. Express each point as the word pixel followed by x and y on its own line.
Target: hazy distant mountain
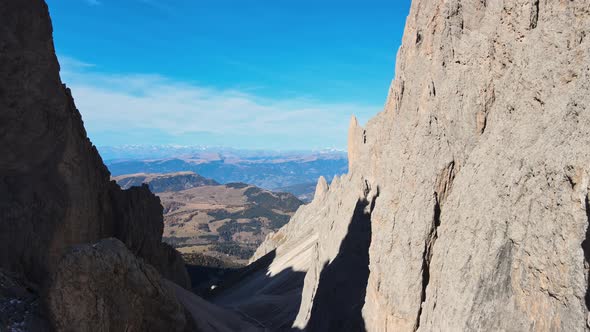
pixel 265 169
pixel 164 182
pixel 303 191
pixel 139 152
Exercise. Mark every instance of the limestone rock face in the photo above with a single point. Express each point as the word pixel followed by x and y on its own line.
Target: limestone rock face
pixel 326 241
pixel 484 143
pixel 321 188
pixel 356 138
pixel 474 180
pixel 54 188
pixel 104 287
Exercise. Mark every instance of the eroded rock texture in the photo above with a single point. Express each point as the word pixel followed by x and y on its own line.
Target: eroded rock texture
pixel 104 287
pixel 477 174
pixel 54 189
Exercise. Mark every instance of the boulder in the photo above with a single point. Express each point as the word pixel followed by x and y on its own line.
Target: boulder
pixel 104 287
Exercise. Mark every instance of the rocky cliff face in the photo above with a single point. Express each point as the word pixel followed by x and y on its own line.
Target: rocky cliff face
pixel 472 183
pixel 54 189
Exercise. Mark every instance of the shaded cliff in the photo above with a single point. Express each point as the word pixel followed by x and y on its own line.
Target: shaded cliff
pixel 54 189
pixel 77 253
pixel 478 175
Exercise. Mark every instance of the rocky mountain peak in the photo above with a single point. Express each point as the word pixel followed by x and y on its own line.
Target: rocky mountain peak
pixel 321 188
pixel 355 140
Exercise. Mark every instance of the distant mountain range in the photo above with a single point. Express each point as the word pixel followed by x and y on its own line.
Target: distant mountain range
pixel 303 191
pixel 126 152
pixel 265 169
pixel 164 182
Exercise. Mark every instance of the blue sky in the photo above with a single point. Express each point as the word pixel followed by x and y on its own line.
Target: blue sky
pixel 263 74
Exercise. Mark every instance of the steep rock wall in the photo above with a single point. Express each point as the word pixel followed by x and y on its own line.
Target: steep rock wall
pixel 54 189
pixel 484 140
pixel 477 174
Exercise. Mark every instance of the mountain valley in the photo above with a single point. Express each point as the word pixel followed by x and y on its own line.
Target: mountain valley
pixel 463 206
pixel 227 222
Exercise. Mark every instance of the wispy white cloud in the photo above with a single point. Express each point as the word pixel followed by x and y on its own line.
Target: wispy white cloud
pixel 72 64
pixel 124 104
pixel 93 2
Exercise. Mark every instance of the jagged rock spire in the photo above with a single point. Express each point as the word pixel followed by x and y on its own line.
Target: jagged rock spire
pixel 321 188
pixel 355 140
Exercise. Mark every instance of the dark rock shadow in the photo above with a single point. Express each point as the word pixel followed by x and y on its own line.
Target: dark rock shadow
pixel 586 249
pixel 273 302
pixel 203 277
pixel 269 302
pixel 240 275
pixel 340 295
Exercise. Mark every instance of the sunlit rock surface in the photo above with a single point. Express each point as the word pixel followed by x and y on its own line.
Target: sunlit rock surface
pixel 474 181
